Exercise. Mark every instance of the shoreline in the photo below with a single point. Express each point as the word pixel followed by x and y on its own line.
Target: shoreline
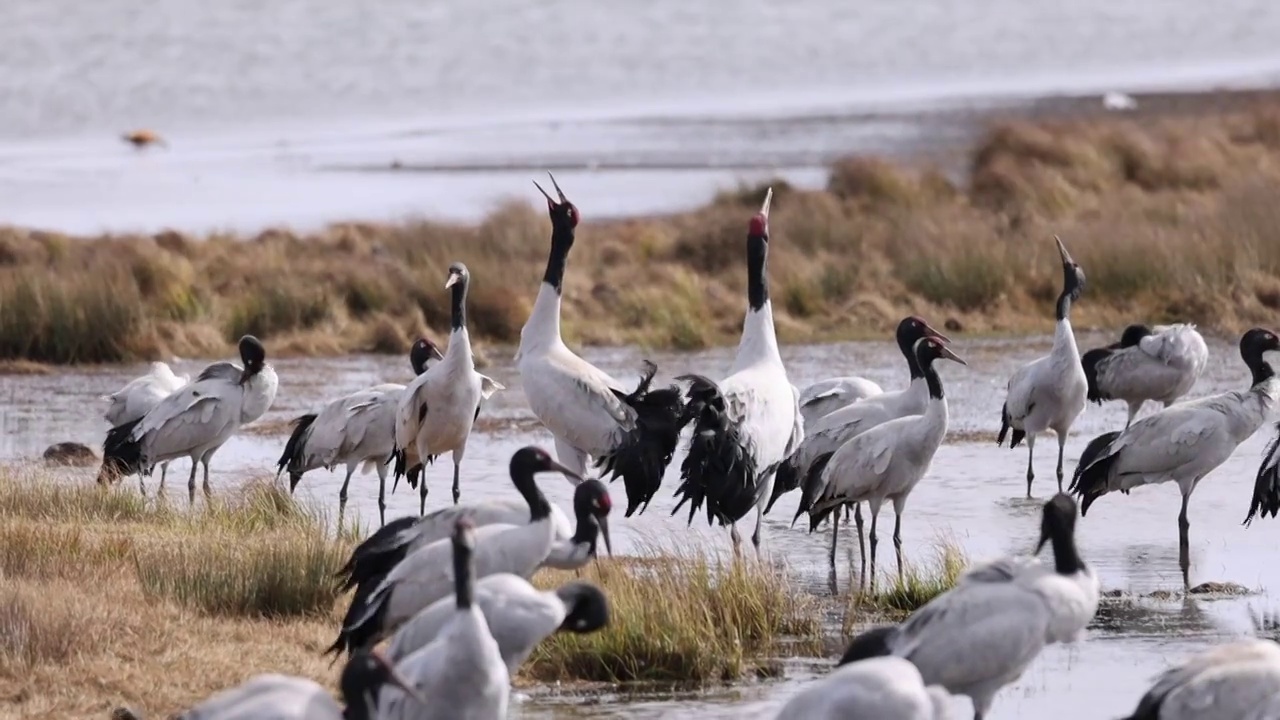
pixel 1169 208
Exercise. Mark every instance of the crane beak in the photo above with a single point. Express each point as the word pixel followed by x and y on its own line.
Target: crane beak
pixel 1062 250
pixel 436 354
pixel 768 199
pixel 554 184
pixel 1044 538
pixel 948 354
pixel 557 467
pixel 603 522
pixel 453 279
pixel 929 330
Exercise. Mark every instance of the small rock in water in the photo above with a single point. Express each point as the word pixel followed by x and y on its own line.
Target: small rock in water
pixel 953 325
pixel 70 453
pixel 1219 588
pixel 124 713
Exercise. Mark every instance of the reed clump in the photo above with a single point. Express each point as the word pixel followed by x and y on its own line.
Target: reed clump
pixel 1172 216
pixel 681 617
pixel 901 594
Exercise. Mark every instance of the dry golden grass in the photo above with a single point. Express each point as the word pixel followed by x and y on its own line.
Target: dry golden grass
pixel 680 617
pixel 1172 217
pixel 108 599
pixel 901 594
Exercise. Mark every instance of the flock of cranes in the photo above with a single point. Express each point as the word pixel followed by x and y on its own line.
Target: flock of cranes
pixel 449 590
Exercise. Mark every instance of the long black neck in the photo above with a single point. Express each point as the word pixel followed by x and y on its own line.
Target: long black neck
pixel 539 508
pixel 1069 284
pixel 460 303
pixel 1262 370
pixel 1066 559
pixel 463 583
pixel 913 364
pixel 587 531
pixel 561 243
pixel 931 377
pixel 757 271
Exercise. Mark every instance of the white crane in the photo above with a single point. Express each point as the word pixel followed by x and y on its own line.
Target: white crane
pixel 1183 442
pixel 982 634
pixel 439 407
pixel 571 548
pixel 382 604
pixel 351 430
pixel 824 397
pixel 885 688
pixel 885 462
pixel 825 435
pixel 136 399
pixel 519 615
pixel 630 434
pixel 365 678
pixel 1266 487
pixel 747 423
pixel 1160 364
pixel 1049 393
pixel 196 419
pixel 1236 680
pixel 461 672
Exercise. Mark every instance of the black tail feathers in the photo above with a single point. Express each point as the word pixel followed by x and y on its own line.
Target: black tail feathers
pixel 1089 481
pixel 291 458
pixel 377 555
pixel 1006 424
pixel 1266 488
pixel 645 452
pixel 362 625
pixel 784 481
pixel 121 454
pixel 812 489
pixel 718 471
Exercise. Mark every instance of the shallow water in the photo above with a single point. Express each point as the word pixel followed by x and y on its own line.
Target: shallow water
pixel 974 494
pixel 293 112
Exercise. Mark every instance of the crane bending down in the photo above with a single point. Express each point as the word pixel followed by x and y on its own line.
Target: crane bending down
pixel 1048 393
pixel 1160 364
pixel 746 424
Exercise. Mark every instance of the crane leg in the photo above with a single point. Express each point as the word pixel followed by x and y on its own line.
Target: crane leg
pixel 897 540
pixel 164 469
pixel 1184 544
pixel 862 545
pixel 422 490
pixel 874 516
pixel 755 535
pixel 456 492
pixel 736 538
pixel 1031 453
pixel 191 483
pixel 835 533
pixel 208 491
pixel 342 494
pixel 1062 445
pixel 382 493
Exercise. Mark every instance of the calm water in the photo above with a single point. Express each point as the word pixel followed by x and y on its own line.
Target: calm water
pixel 292 112
pixel 973 494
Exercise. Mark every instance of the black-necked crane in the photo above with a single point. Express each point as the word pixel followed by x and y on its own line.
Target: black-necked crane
pixel 1266 486
pixel 1049 393
pixel 352 430
pixel 136 399
pixel 1184 442
pixel 823 397
pixel 1160 364
pixel 1239 679
pixel 197 419
pixel 884 688
pixel 632 435
pixel 746 424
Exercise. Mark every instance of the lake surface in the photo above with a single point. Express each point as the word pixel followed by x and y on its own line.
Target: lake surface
pixel 293 112
pixel 974 494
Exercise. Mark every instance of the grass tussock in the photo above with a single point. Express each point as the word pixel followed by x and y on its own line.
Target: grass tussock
pixel 103 591
pixel 681 617
pixel 1171 215
pixel 903 593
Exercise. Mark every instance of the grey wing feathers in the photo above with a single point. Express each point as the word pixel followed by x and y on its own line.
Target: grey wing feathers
pixel 221 371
